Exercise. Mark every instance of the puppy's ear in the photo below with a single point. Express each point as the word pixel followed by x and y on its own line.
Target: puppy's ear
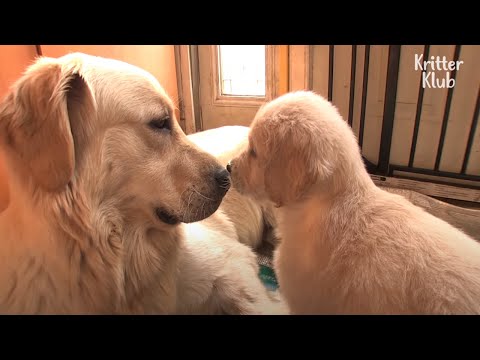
pixel 34 120
pixel 296 163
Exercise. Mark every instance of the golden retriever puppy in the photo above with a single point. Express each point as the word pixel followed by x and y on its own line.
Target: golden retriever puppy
pixel 346 246
pixel 111 209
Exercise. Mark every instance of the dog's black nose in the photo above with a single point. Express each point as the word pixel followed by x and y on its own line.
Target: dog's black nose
pixel 222 177
pixel 229 167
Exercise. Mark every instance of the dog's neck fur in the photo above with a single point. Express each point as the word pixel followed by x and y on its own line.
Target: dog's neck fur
pixel 143 243
pixel 309 228
pixel 57 229
pixel 313 211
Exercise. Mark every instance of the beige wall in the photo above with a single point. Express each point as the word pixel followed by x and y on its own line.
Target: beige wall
pixel 13 61
pixel 156 59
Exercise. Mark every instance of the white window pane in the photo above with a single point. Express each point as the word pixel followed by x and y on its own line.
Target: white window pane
pixel 242 70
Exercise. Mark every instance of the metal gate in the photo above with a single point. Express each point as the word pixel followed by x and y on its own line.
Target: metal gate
pixel 464 177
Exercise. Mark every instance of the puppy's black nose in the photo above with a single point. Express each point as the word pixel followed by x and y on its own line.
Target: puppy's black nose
pixel 222 177
pixel 229 167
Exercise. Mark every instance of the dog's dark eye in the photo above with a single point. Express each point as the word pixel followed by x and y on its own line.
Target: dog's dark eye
pixel 160 124
pixel 252 152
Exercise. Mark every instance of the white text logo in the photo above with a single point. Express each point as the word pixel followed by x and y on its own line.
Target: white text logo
pixel 430 77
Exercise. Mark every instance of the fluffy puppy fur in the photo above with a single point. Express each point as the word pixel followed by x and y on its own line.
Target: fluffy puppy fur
pixel 348 247
pixel 111 208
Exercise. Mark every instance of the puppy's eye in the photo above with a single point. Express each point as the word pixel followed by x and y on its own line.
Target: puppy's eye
pixel 160 124
pixel 252 152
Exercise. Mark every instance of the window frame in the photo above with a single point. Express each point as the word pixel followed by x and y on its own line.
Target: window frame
pixel 241 100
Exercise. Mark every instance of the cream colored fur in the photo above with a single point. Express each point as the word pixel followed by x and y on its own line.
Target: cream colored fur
pixel 348 247
pixel 88 175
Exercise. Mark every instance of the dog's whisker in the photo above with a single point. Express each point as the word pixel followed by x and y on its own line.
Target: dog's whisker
pixel 185 208
pixel 183 192
pixel 201 210
pixel 205 197
pixel 198 211
pixel 188 204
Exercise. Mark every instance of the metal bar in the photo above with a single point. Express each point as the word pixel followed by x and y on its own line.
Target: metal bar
pixel 435 173
pixel 446 114
pixel 473 128
pixel 418 114
pixel 371 167
pixel 364 94
pixel 331 58
pixel 389 107
pixel 352 85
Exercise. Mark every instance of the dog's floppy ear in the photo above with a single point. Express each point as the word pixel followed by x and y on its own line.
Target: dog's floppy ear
pixel 295 164
pixel 4 189
pixel 34 120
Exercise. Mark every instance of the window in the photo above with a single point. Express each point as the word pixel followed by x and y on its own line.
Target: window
pixel 242 70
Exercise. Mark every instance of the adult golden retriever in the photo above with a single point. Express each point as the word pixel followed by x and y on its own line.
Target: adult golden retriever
pixel 112 209
pixel 346 246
